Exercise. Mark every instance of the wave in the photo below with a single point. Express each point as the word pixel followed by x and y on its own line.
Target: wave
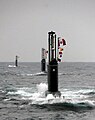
pixel 66 74
pixel 41 74
pixel 86 92
pixel 26 74
pixel 35 74
pixel 11 66
pixel 18 74
pixel 8 73
pixel 69 98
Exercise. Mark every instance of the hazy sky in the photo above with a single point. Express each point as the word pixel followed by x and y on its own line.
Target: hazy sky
pixel 24 25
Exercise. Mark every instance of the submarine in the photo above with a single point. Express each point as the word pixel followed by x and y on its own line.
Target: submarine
pixel 43 61
pixel 52 67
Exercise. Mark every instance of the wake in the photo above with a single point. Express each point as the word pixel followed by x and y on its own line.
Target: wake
pixel 68 98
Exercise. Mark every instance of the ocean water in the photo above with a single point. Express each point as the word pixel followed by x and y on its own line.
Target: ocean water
pixel 22 92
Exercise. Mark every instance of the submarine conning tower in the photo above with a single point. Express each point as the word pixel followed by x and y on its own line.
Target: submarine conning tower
pixel 52 66
pixel 16 61
pixel 43 61
pixel 43 65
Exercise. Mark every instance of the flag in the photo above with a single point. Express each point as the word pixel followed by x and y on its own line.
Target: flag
pixel 60 55
pixel 61 49
pixel 61 43
pixel 46 51
pixel 59 60
pixel 64 42
pixel 60 52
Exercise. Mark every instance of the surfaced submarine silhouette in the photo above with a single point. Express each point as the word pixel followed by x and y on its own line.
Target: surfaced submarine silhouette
pixel 52 67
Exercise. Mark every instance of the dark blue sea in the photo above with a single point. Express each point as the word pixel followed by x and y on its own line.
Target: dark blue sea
pixel 22 92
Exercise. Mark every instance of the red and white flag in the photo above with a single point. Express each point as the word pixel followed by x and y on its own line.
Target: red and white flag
pixel 61 43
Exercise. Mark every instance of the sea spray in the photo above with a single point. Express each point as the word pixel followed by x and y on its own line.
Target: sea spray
pixel 69 97
pixel 42 87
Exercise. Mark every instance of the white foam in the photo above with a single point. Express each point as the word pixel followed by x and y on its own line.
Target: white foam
pixel 42 87
pixel 34 74
pixel 86 91
pixel 11 66
pixel 20 92
pixel 50 96
pixel 38 74
pixel 67 96
pixel 29 74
